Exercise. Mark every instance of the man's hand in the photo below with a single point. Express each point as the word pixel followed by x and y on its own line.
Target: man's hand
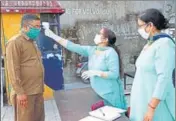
pixel 22 100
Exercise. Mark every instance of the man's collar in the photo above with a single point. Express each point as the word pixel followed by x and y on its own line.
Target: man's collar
pixel 24 35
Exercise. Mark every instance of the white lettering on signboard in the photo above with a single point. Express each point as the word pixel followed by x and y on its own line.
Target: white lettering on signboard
pixel 37 3
pixel 44 3
pixel 47 3
pixel 40 4
pixel 6 3
pixel 25 3
pixel 22 3
pixel 29 3
pixel 19 3
pixel 33 3
pixel 13 4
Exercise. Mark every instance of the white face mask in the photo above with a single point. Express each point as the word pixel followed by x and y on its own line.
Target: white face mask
pixel 97 39
pixel 143 33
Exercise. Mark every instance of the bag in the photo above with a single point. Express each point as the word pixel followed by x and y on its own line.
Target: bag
pixel 97 105
pixel 163 35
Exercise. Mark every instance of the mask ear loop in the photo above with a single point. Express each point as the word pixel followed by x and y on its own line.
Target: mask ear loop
pixel 104 39
pixel 150 23
pixel 150 40
pixel 21 27
pixel 29 26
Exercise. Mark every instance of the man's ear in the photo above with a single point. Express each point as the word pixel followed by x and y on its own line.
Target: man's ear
pixel 25 28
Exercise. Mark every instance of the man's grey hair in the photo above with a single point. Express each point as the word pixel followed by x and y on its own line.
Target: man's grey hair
pixel 27 18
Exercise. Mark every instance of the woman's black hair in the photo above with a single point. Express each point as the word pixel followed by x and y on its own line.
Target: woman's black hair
pixel 156 17
pixel 111 42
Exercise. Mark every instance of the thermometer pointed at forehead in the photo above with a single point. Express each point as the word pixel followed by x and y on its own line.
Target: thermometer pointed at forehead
pixel 45 25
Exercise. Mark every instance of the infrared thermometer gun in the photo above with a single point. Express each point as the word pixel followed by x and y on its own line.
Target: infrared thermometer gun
pixel 45 25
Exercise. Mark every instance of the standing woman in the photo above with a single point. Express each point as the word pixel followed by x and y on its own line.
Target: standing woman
pixel 153 94
pixel 103 64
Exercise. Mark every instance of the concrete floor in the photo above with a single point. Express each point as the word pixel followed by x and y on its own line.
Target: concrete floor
pixel 51 107
pixel 51 112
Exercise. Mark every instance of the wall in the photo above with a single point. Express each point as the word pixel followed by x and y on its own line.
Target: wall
pixel 83 19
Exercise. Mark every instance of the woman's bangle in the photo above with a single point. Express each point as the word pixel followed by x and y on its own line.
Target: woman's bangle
pixel 151 106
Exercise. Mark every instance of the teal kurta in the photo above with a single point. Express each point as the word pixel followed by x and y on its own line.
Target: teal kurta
pixel 153 78
pixel 110 88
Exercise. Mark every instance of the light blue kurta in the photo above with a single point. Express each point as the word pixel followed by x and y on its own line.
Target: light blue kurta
pixel 110 88
pixel 154 79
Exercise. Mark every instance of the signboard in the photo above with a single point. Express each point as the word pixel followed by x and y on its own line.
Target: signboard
pixel 50 6
pixel 29 3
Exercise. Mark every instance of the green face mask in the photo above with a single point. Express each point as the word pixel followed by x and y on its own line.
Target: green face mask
pixel 33 33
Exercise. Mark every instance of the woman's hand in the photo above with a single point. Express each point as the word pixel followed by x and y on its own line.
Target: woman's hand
pixel 149 114
pixel 52 35
pixel 48 32
pixel 87 74
pixel 55 37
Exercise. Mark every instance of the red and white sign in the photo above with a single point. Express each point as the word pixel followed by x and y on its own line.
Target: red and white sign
pixel 29 3
pixel 29 6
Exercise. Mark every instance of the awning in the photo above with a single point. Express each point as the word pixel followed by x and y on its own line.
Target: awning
pixel 35 6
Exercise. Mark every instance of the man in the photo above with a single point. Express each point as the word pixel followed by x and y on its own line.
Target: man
pixel 26 71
